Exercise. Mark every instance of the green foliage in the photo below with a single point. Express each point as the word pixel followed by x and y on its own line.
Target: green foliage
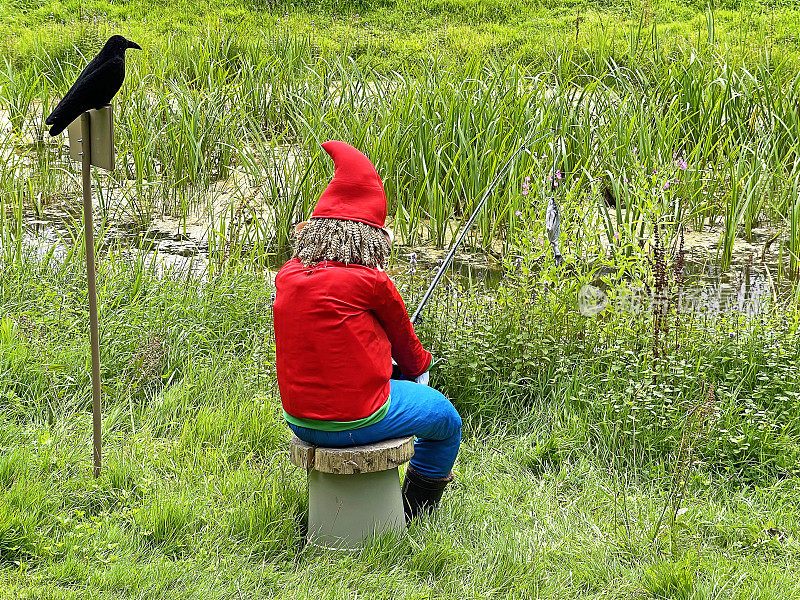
pixel 573 432
pixel 669 580
pixel 166 522
pixel 524 349
pixel 195 478
pixel 214 122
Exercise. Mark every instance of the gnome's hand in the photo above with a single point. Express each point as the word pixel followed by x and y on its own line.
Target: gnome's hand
pixel 424 378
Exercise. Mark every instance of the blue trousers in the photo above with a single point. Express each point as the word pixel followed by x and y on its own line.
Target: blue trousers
pixel 416 410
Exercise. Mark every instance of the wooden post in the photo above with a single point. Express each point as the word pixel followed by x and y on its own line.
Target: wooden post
pixel 88 229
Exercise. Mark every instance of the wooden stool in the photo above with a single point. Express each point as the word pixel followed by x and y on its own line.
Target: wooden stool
pixel 354 492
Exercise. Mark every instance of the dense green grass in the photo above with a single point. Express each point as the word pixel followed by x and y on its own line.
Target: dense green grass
pixel 390 34
pixel 588 470
pixel 562 478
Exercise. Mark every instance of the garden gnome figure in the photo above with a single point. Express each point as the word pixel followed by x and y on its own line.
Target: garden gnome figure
pixel 339 322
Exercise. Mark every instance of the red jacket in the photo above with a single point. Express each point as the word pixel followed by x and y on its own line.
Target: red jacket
pixel 337 327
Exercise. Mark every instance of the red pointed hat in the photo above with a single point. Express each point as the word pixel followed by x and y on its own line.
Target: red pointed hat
pixel 356 191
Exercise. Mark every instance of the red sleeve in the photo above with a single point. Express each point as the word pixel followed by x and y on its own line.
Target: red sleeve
pixel 407 350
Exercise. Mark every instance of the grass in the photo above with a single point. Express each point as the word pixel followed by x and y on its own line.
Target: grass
pixel 628 92
pixel 564 472
pixel 620 456
pixel 393 33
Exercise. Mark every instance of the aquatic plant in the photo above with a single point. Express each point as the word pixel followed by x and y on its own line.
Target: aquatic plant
pixel 221 106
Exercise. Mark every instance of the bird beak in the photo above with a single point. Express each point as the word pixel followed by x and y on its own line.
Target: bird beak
pixel 134 45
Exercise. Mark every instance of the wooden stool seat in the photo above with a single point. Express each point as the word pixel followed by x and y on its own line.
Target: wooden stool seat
pixel 353 492
pixel 369 458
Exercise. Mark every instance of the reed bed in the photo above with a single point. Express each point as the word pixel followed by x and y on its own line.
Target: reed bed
pixel 196 111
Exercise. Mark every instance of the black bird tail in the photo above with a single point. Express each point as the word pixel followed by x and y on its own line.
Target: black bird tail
pixel 58 126
pixel 58 119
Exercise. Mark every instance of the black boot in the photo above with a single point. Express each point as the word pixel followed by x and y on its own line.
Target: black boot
pixel 422 494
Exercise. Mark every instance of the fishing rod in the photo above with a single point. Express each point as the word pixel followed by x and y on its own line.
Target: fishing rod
pixel 468 225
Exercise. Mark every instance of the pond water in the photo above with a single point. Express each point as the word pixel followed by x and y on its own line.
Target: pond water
pixel 181 248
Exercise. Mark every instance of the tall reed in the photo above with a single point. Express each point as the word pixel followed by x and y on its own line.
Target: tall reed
pixel 200 112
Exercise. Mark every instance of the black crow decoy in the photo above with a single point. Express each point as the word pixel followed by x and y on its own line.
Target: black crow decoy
pixel 97 84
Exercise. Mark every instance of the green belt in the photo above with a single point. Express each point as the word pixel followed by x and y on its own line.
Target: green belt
pixel 324 425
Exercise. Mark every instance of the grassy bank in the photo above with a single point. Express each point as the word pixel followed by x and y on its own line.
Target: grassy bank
pixel 638 453
pixel 572 483
pixel 392 34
